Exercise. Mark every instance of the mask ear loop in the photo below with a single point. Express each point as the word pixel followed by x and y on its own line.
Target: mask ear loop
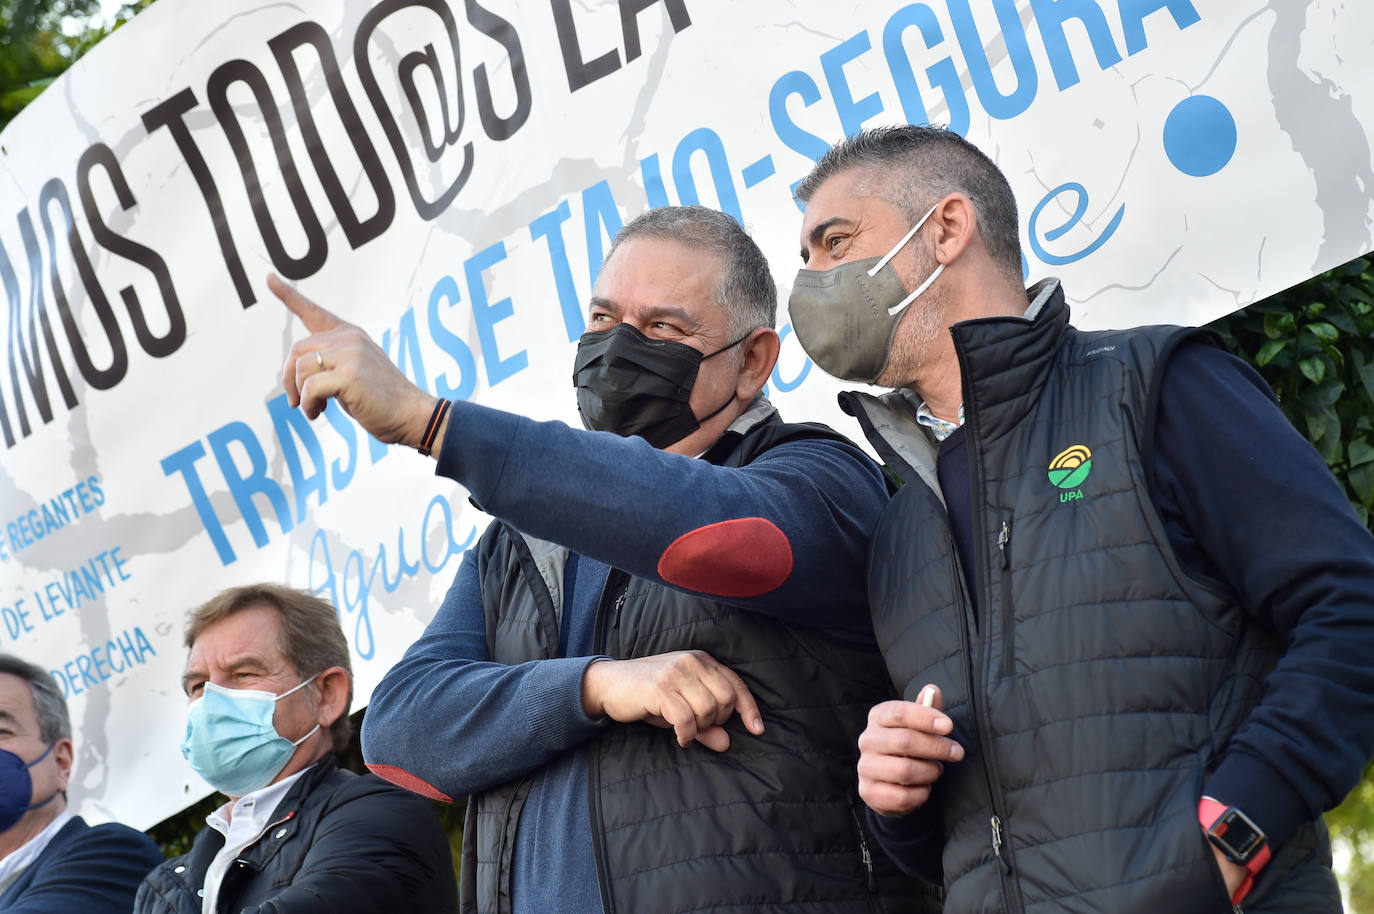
pixel 902 305
pixel 296 688
pixel 728 346
pixel 307 735
pixel 43 756
pixel 54 793
pixel 901 244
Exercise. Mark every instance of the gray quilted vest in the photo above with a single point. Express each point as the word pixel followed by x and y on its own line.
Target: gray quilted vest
pixel 772 824
pixel 1098 684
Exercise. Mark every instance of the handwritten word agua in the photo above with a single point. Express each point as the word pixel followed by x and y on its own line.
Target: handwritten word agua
pixel 351 589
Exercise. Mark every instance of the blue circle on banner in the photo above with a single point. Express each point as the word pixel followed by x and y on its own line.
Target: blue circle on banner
pixel 1200 136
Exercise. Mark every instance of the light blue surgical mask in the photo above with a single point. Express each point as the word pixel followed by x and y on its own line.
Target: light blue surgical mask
pixel 231 741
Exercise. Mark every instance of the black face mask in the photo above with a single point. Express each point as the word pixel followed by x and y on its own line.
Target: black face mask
pixel 632 385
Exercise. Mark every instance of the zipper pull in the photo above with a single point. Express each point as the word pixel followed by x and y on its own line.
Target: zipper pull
pixel 1003 541
pixel 997 844
pixel 864 852
pixel 619 605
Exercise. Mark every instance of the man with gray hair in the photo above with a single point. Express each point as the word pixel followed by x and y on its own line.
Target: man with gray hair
pixel 50 860
pixel 1126 603
pixel 650 672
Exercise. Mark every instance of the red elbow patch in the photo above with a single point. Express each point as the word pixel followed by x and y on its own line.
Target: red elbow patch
pixel 733 558
pixel 402 778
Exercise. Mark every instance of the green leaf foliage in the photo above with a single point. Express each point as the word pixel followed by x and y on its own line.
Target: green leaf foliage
pixel 1268 351
pixel 1314 344
pixel 1321 369
pixel 40 39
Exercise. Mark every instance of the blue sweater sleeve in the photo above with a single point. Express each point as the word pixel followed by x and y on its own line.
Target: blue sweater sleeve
pixel 447 721
pixel 1248 503
pixel 785 535
pixel 914 842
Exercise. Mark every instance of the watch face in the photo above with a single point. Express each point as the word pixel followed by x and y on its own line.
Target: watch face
pixel 1236 835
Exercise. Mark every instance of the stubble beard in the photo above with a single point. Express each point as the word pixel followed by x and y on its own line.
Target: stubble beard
pixel 921 325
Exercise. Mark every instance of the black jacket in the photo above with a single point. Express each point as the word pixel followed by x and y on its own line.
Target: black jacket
pixel 1097 684
pixel 774 824
pixel 338 843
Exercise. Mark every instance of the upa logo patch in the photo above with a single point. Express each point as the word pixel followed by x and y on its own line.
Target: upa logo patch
pixel 1069 469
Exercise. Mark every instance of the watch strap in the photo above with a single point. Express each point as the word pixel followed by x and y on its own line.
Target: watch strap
pixel 1209 810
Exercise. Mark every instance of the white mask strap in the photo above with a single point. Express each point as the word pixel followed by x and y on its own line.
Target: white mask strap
pixel 901 244
pixel 307 736
pixel 298 686
pixel 901 306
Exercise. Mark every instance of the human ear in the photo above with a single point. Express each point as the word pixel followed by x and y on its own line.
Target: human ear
pixel 758 355
pixel 63 753
pixel 334 686
pixel 956 226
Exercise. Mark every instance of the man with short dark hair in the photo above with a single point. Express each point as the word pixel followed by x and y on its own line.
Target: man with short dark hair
pixel 1125 601
pixel 270 683
pixel 650 672
pixel 52 862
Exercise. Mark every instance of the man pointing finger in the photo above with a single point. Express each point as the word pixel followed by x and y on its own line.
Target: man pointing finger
pixel 651 671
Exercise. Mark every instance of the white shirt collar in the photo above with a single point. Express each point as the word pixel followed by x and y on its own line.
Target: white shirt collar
pixel 940 428
pixel 242 822
pixel 13 866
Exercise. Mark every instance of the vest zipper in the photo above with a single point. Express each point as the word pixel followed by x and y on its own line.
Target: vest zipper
pixel 977 696
pixel 965 636
pixel 1008 608
pixel 619 605
pixel 504 882
pixel 864 853
pixel 997 844
pixel 616 580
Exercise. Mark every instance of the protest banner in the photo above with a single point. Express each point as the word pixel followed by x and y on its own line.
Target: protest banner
pixel 448 175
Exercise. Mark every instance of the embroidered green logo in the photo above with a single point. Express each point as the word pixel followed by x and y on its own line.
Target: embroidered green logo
pixel 1069 469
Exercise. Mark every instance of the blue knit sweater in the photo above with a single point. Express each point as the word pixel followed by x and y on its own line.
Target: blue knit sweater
pixel 459 724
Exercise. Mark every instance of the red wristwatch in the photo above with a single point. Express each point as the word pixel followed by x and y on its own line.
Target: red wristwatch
pixel 1238 838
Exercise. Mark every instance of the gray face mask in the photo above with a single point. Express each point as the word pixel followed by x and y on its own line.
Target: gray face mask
pixel 845 317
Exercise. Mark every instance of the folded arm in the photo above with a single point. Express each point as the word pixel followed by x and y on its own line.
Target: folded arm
pixel 446 721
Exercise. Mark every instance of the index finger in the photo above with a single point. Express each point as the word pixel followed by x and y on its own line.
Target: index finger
pixel 315 318
pixel 745 706
pixel 910 715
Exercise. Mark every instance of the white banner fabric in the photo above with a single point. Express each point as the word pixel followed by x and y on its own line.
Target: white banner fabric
pixel 447 175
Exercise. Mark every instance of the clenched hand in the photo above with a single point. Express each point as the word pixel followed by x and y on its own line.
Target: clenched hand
pixel 902 751
pixel 686 690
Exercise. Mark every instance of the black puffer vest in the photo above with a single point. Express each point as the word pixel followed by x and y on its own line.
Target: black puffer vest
pixel 1098 684
pixel 773 823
